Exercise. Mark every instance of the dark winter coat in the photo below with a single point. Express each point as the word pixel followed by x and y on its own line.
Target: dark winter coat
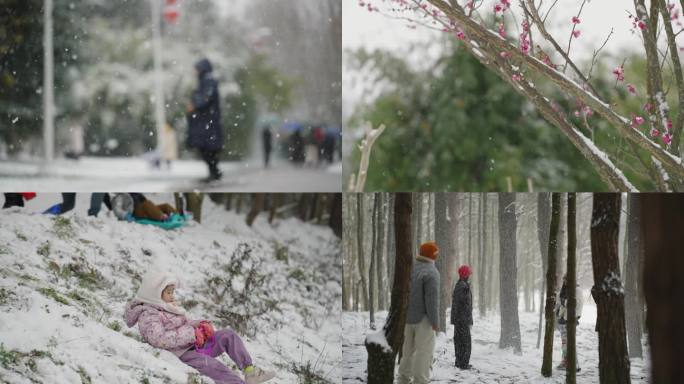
pixel 462 304
pixel 204 122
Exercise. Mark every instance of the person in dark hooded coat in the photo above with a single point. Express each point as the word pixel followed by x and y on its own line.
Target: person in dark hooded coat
pixel 462 317
pixel 204 119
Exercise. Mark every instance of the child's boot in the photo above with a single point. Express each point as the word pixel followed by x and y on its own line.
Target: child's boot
pixel 254 375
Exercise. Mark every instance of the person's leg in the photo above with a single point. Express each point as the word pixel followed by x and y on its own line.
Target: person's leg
pixel 457 349
pixel 214 170
pixel 458 345
pixel 425 348
pixel 210 367
pixel 68 202
pixel 95 203
pixel 406 364
pixel 147 210
pixel 107 201
pixel 13 200
pixel 467 344
pixel 229 342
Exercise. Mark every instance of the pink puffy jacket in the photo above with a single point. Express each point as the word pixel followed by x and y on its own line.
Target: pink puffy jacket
pixel 161 328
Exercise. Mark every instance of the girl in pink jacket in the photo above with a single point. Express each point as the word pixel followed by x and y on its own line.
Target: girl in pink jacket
pixel 163 324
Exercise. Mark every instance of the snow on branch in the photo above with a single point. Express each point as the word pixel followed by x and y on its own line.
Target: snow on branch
pixel 370 135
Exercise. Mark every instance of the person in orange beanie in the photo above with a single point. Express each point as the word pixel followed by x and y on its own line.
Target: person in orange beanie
pixel 422 318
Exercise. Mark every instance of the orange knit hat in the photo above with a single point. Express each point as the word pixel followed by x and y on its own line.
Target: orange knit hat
pixel 429 249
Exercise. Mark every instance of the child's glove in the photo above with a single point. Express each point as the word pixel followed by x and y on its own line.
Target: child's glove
pixel 199 337
pixel 207 328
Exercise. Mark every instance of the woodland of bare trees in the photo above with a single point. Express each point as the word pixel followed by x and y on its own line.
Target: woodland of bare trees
pixel 520 246
pixel 316 208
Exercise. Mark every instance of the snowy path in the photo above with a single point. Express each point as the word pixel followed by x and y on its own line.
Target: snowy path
pixel 135 174
pixel 491 365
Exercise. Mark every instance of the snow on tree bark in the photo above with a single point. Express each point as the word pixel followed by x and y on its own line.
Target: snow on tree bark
pixel 510 327
pixel 607 291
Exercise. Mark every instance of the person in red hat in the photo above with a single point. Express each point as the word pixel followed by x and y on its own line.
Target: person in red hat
pixel 462 317
pixel 422 317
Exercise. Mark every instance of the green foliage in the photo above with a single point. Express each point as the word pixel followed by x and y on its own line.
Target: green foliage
pixel 21 236
pixel 7 358
pixel 5 296
pixel 457 126
pixel 62 227
pixel 261 87
pixel 307 374
pixel 51 293
pixel 88 277
pixel 44 249
pixel 297 274
pixel 85 377
pixel 281 252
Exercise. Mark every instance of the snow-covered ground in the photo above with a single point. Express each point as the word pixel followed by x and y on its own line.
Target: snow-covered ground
pixel 490 364
pixel 129 174
pixel 64 282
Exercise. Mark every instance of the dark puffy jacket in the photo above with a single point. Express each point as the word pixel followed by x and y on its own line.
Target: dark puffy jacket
pixel 204 122
pixel 462 304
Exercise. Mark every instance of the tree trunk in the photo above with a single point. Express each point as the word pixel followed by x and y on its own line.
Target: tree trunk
pixel 547 359
pixel 419 220
pixel 379 251
pixel 661 225
pixel 194 205
pixel 257 207
pixel 607 291
pixel 543 227
pixel 510 327
pixel 371 270
pixel 391 244
pixel 359 248
pixel 335 212
pixel 348 253
pixel 381 361
pixel 633 304
pixel 571 372
pixel 470 228
pixel 446 252
pixel 483 259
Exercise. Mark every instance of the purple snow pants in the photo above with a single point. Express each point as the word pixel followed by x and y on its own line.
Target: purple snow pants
pixel 226 341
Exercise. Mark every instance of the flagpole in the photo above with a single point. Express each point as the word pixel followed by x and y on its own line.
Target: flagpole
pixel 158 74
pixel 48 89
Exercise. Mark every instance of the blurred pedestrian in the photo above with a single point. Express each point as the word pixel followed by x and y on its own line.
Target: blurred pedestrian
pixel 267 139
pixel 204 119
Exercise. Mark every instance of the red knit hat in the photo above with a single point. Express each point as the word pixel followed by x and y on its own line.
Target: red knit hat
pixel 429 249
pixel 464 271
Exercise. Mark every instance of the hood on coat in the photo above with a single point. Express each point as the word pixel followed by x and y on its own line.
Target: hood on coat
pixel 203 66
pixel 153 283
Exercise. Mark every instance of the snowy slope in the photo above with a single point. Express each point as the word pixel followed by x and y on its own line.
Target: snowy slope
pixel 490 364
pixel 64 283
